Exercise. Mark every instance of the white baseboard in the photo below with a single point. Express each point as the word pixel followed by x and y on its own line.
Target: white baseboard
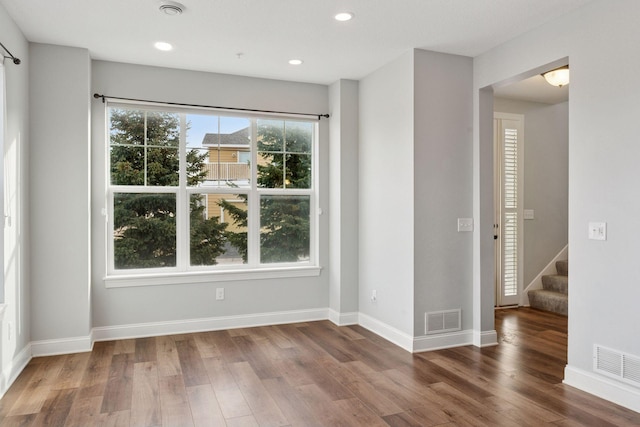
pixel 13 369
pixel 603 387
pixel 485 338
pixel 207 324
pixel 343 319
pixel 61 346
pixel 387 332
pixel 441 341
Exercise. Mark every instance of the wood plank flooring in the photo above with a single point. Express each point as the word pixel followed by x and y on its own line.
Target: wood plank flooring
pixel 311 374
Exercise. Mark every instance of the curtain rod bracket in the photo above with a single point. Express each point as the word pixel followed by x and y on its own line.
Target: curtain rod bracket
pixel 97 95
pixel 13 58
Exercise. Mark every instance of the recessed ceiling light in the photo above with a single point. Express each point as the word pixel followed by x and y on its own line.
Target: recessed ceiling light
pixel 171 8
pixel 344 16
pixel 163 46
pixel 295 61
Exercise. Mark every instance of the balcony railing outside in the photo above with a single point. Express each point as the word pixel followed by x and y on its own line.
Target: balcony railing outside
pixel 227 171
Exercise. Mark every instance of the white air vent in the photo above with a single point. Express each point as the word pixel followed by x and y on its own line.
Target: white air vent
pixel 438 322
pixel 615 364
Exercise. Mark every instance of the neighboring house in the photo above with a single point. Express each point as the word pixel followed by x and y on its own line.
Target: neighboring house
pixel 228 163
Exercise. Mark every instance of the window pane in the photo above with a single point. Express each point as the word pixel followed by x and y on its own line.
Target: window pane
pixel 162 166
pixel 284 154
pixel 127 165
pixel 299 137
pixel 126 127
pixel 298 171
pixel 144 147
pixel 284 228
pixel 270 135
pixel 218 229
pixel 213 147
pixel 163 129
pixel 144 230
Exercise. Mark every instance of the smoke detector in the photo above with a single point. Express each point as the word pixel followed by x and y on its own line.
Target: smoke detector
pixel 171 8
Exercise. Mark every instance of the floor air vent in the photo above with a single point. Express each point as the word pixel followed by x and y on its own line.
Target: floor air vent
pixel 621 366
pixel 438 322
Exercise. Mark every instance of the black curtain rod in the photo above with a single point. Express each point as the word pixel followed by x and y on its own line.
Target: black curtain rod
pixel 104 97
pixel 13 58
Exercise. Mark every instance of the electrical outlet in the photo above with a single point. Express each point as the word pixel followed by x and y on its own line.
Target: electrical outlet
pixel 219 294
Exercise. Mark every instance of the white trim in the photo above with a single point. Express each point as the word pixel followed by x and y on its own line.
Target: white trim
pixel 343 319
pixel 12 370
pixel 387 332
pixel 485 338
pixel 61 346
pixel 181 278
pixel 550 268
pixel 207 324
pixel 603 387
pixel 441 341
pixel 3 307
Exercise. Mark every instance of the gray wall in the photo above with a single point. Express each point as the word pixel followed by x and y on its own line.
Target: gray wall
pixel 386 204
pixel 546 180
pixel 415 181
pixel 17 316
pixel 343 182
pixel 134 305
pixel 442 185
pixel 60 192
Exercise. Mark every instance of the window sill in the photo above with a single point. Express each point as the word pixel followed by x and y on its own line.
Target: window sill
pixel 133 280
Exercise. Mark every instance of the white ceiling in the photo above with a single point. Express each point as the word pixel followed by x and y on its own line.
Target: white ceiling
pixel 534 89
pixel 210 33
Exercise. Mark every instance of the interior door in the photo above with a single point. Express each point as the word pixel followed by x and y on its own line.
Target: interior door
pixel 508 225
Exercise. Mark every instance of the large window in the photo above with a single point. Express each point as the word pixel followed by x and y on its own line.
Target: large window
pixel 196 190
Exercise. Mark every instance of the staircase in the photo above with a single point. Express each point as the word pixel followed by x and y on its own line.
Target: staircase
pixel 554 295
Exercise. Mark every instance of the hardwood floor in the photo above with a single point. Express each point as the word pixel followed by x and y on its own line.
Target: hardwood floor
pixel 311 374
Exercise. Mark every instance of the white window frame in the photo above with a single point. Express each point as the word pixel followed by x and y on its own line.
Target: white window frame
pixel 183 272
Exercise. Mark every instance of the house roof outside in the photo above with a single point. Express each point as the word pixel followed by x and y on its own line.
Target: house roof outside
pixel 239 138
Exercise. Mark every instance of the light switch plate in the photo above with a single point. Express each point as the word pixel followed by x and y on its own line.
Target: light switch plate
pixel 598 231
pixel 465 224
pixel 529 214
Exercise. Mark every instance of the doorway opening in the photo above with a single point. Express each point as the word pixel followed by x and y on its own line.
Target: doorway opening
pixel 530 188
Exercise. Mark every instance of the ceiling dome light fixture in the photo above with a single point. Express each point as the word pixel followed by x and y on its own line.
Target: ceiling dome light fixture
pixel 344 16
pixel 558 77
pixel 163 46
pixel 295 61
pixel 171 8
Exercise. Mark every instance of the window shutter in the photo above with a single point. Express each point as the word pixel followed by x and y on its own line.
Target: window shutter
pixel 510 219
